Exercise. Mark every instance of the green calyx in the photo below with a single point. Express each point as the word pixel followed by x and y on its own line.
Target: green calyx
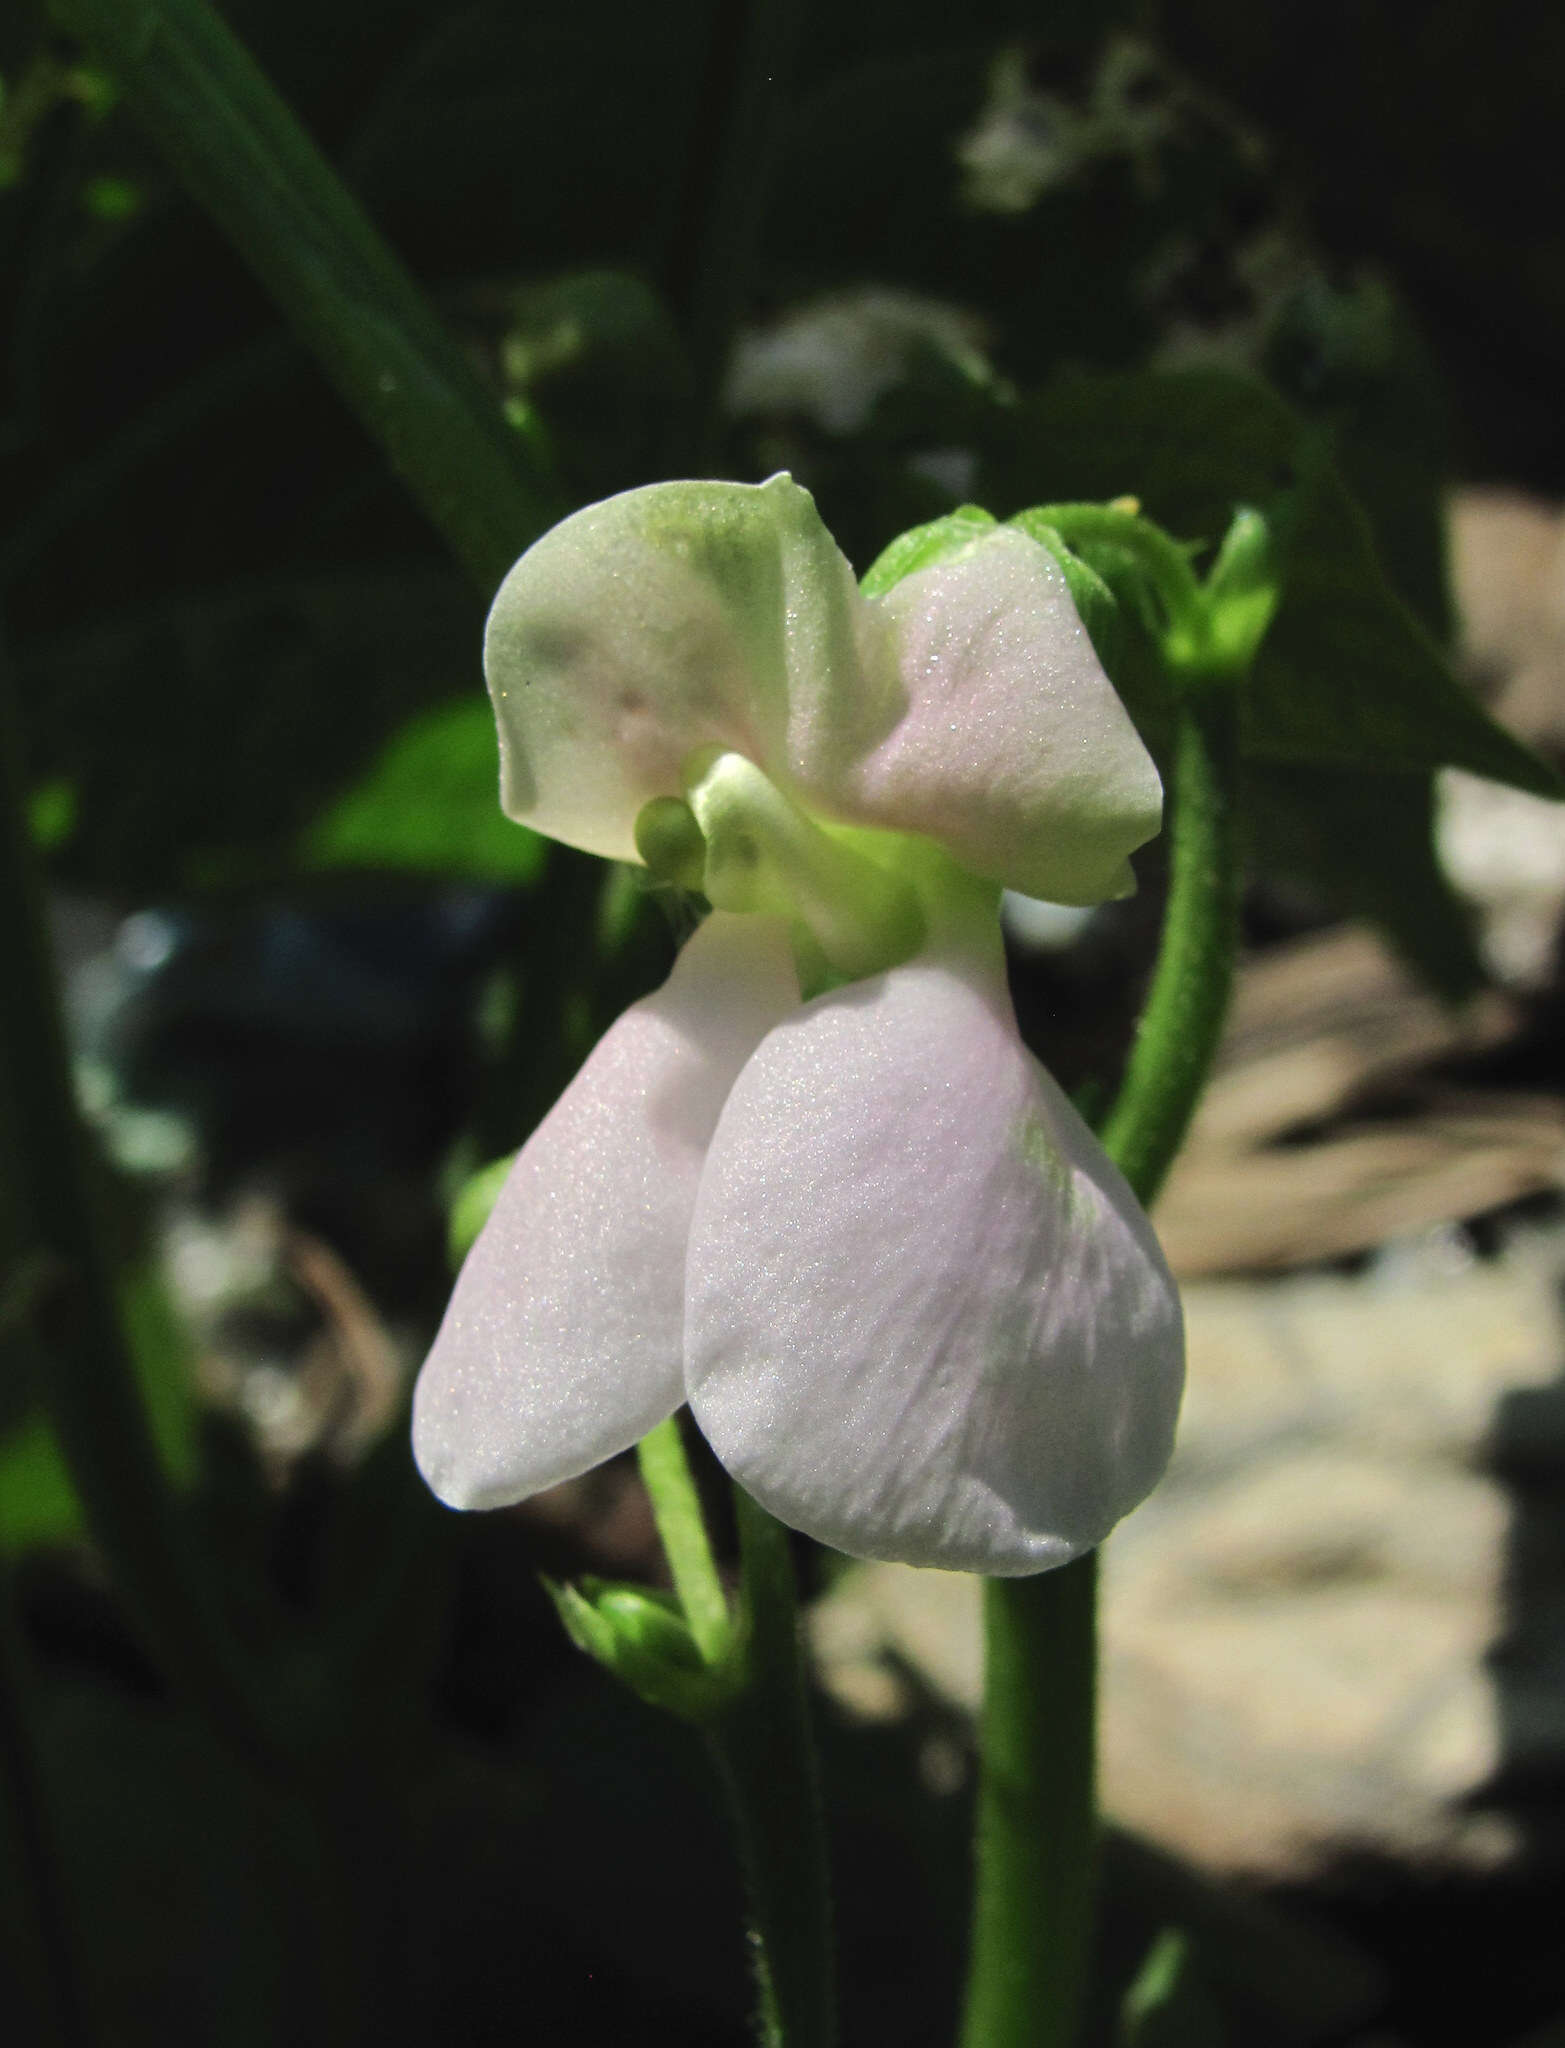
pixel 748 847
pixel 1209 630
pixel 643 1638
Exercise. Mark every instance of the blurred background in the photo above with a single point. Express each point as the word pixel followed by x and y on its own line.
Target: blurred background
pixel 314 982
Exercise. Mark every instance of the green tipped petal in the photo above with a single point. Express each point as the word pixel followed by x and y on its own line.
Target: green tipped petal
pixel 965 706
pixel 670 618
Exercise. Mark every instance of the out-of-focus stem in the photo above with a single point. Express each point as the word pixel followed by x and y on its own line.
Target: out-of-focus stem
pixel 766 1756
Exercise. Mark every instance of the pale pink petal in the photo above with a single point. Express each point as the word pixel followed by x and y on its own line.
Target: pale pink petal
pixel 925 1318
pixel 669 618
pixel 562 1342
pixel 1009 746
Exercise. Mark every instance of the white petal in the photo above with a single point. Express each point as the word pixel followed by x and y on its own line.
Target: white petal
pixel 562 1342
pixel 925 1318
pixel 666 619
pixel 1012 749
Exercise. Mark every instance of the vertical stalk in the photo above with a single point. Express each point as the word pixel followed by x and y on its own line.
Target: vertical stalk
pixel 1036 1811
pixel 1032 1914
pixel 676 1508
pixel 1176 1040
pixel 766 1757
pixel 760 1738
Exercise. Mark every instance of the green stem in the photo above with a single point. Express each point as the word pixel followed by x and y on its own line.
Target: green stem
pixel 1032 1915
pixel 1032 1919
pixel 676 1508
pixel 50 1227
pixel 766 1756
pixel 1183 1018
pixel 242 154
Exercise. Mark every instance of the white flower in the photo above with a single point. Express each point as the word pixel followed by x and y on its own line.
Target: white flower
pixel 913 1306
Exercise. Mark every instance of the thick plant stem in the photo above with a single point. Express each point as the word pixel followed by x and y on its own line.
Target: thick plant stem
pixel 1036 1811
pixel 676 1508
pixel 50 1228
pixel 242 154
pixel 766 1757
pixel 1032 1915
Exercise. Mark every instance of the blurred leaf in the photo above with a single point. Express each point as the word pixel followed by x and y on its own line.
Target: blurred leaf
pixel 51 814
pixel 1168 2006
pixel 38 1505
pixel 240 150
pixel 474 1200
pixel 175 1851
pixel 201 734
pixel 1350 356
pixel 1347 677
pixel 38 1502
pixel 1365 845
pixel 430 804
pixel 592 362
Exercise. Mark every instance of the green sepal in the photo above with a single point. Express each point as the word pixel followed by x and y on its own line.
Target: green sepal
pixel 922 547
pixel 1168 2004
pixel 1148 571
pixel 641 1635
pixel 1242 592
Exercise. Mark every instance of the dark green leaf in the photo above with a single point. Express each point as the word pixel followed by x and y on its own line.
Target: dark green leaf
pixel 1346 677
pixel 1364 845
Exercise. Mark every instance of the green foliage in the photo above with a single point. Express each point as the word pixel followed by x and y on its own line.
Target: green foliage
pixel 1350 704
pixel 642 1637
pixel 38 1502
pixel 429 805
pixel 1168 2005
pixel 201 736
pixel 471 1206
pixel 1365 845
pixel 1346 676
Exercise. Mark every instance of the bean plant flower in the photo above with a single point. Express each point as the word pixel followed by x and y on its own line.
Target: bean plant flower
pixel 816 1186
